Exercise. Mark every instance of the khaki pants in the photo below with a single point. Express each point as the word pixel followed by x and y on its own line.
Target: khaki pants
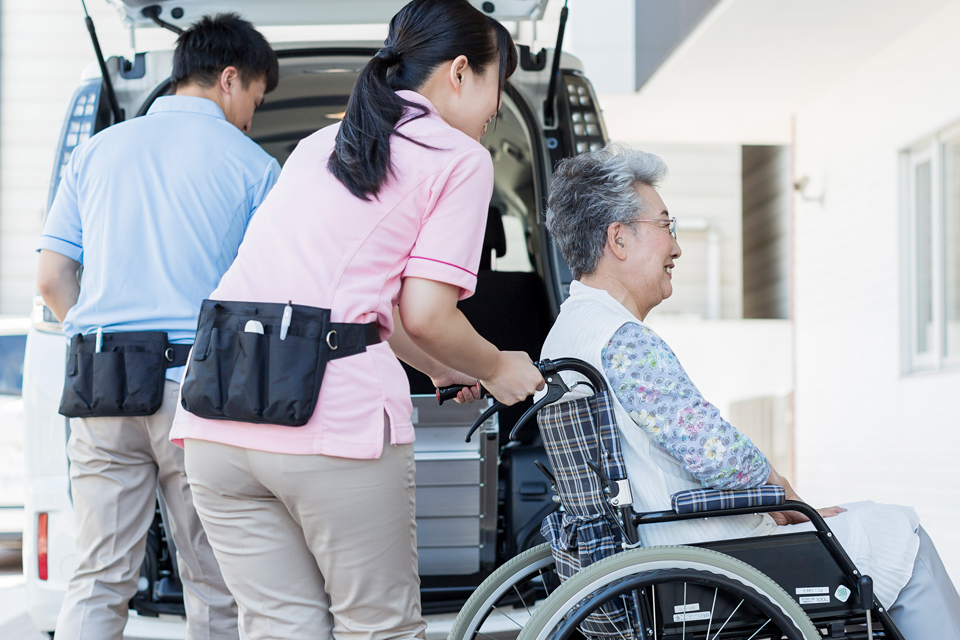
pixel 313 546
pixel 116 467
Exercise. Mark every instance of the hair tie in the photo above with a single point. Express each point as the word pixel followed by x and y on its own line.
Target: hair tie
pixel 389 55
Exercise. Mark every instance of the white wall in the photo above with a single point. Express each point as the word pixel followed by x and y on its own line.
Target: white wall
pixel 604 41
pixel 864 430
pixel 45 48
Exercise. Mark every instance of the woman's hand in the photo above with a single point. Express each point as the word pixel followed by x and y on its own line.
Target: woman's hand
pixel 783 518
pixel 794 517
pixel 515 378
pixel 449 377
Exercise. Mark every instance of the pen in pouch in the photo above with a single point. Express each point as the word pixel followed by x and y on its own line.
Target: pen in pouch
pixel 99 345
pixel 285 321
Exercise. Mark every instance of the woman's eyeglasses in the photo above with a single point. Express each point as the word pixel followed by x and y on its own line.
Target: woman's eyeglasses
pixel 670 225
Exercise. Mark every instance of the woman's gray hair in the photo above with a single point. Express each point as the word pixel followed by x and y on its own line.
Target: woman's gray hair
pixel 590 192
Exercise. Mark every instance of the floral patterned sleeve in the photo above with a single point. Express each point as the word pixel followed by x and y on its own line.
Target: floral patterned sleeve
pixel 651 385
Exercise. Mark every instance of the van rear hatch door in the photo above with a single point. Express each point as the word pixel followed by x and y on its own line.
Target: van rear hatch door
pixel 183 13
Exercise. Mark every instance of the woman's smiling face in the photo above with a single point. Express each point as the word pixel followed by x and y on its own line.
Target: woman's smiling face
pixel 466 100
pixel 652 252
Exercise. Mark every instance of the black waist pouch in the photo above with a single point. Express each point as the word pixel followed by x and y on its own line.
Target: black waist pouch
pixel 123 378
pixel 243 368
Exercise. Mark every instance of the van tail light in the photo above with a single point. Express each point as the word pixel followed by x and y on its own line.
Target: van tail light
pixel 42 545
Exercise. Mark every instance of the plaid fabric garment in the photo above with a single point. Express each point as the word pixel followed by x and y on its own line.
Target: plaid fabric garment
pixel 697 500
pixel 583 533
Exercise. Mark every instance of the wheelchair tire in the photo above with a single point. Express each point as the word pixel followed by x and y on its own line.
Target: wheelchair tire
pixel 534 564
pixel 633 570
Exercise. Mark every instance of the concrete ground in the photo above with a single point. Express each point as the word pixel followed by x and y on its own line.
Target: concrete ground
pixel 15 624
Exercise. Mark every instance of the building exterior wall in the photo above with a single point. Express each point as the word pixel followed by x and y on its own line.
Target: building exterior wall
pixel 660 26
pixel 864 428
pixel 45 48
pixel 604 41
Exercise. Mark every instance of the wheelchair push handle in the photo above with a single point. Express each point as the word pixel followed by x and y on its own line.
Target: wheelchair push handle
pixel 449 393
pixel 556 387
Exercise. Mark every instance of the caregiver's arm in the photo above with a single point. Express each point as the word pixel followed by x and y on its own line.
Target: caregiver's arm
pixel 658 395
pixel 440 374
pixel 432 321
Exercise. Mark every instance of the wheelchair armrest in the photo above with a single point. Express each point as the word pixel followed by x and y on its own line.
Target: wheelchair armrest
pixel 697 500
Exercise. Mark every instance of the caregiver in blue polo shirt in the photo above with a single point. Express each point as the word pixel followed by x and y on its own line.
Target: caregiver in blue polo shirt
pixel 154 210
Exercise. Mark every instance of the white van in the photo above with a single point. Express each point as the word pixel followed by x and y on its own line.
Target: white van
pixel 478 504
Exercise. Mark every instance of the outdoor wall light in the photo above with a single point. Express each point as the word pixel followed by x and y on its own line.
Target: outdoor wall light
pixel 800 186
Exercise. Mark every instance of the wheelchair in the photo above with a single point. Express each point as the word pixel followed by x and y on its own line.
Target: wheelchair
pixel 595 579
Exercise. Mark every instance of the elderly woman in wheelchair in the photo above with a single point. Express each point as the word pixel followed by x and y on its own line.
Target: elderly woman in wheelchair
pixel 642 463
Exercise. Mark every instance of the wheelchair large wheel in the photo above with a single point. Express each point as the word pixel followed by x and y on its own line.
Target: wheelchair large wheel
pixel 675 593
pixel 504 602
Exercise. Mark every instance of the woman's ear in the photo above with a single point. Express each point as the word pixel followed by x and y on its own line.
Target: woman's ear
pixel 458 68
pixel 615 235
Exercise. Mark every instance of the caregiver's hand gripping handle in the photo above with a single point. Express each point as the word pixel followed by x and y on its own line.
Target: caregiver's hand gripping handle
pixel 449 393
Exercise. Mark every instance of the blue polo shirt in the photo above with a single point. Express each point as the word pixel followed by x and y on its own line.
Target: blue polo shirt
pixel 155 209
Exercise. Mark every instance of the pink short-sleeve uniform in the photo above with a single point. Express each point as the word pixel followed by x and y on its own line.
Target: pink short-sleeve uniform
pixel 314 243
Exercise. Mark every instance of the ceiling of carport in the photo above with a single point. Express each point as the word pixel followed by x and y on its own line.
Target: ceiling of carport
pixel 746 67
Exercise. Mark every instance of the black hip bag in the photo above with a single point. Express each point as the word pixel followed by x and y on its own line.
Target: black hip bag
pixel 263 362
pixel 118 374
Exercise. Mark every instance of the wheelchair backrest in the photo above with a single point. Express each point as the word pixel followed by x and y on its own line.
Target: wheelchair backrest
pixel 574 432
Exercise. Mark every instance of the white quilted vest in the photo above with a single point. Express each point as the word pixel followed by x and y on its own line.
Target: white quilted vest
pixel 587 321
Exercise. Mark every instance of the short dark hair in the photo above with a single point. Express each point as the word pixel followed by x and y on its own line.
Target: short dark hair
pixel 225 40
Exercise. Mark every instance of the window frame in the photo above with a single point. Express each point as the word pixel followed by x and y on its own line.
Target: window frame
pixel 935 358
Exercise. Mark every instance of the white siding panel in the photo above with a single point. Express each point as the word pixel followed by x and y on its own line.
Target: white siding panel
pixel 863 430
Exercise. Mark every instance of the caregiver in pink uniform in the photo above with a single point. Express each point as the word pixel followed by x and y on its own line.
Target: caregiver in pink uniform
pixel 380 220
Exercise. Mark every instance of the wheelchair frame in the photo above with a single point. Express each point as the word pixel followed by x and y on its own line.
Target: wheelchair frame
pixel 619 509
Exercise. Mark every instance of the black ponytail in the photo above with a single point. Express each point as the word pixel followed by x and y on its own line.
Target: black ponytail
pixel 423 35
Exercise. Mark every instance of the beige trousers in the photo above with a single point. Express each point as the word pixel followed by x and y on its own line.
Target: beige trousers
pixel 116 467
pixel 313 546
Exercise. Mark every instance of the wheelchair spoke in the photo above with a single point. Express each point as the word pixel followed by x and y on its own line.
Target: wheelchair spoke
pixel 517 591
pixel 758 630
pixel 727 620
pixel 614 625
pixel 684 610
pixel 500 611
pixel 713 608
pixel 544 581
